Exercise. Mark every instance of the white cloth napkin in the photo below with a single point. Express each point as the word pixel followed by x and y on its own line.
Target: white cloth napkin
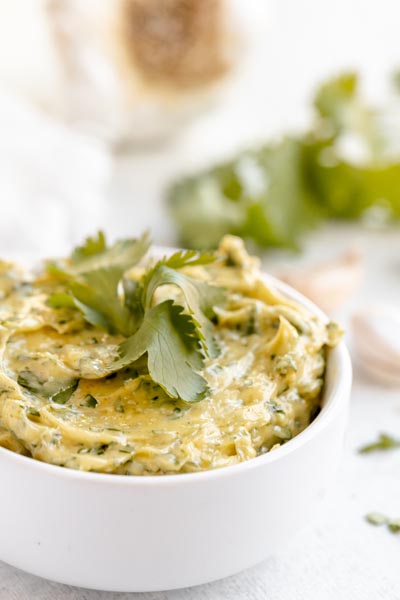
pixel 52 182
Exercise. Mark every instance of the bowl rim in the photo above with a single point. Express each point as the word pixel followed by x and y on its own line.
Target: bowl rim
pixel 339 392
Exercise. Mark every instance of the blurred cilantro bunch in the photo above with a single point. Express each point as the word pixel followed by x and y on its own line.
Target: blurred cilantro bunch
pixel 346 166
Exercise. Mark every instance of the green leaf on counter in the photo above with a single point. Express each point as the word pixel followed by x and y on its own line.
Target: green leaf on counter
pixel 375 518
pixel 384 442
pixel 378 519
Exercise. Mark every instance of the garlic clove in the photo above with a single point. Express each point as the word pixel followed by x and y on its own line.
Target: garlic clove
pixel 376 341
pixel 329 284
pixel 378 369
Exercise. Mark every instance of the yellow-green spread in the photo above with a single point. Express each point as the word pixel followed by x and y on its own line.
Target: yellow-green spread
pixel 60 403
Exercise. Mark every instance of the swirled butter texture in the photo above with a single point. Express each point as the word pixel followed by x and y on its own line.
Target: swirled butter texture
pixel 264 386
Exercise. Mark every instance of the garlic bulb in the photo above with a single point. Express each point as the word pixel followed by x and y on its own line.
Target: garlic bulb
pixel 328 284
pixel 376 342
pixel 129 71
pixel 136 70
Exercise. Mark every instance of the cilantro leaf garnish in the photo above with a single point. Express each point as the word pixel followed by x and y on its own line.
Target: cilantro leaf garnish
pixel 198 296
pixel 175 334
pixel 95 254
pixel 168 336
pixel 99 299
pixel 61 300
pixel 92 278
pixel 91 247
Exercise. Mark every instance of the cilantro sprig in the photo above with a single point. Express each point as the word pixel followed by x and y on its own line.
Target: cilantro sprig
pixel 384 442
pixel 274 194
pixel 175 334
pixel 92 278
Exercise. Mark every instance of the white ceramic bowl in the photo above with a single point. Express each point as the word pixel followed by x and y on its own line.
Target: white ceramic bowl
pixel 119 533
